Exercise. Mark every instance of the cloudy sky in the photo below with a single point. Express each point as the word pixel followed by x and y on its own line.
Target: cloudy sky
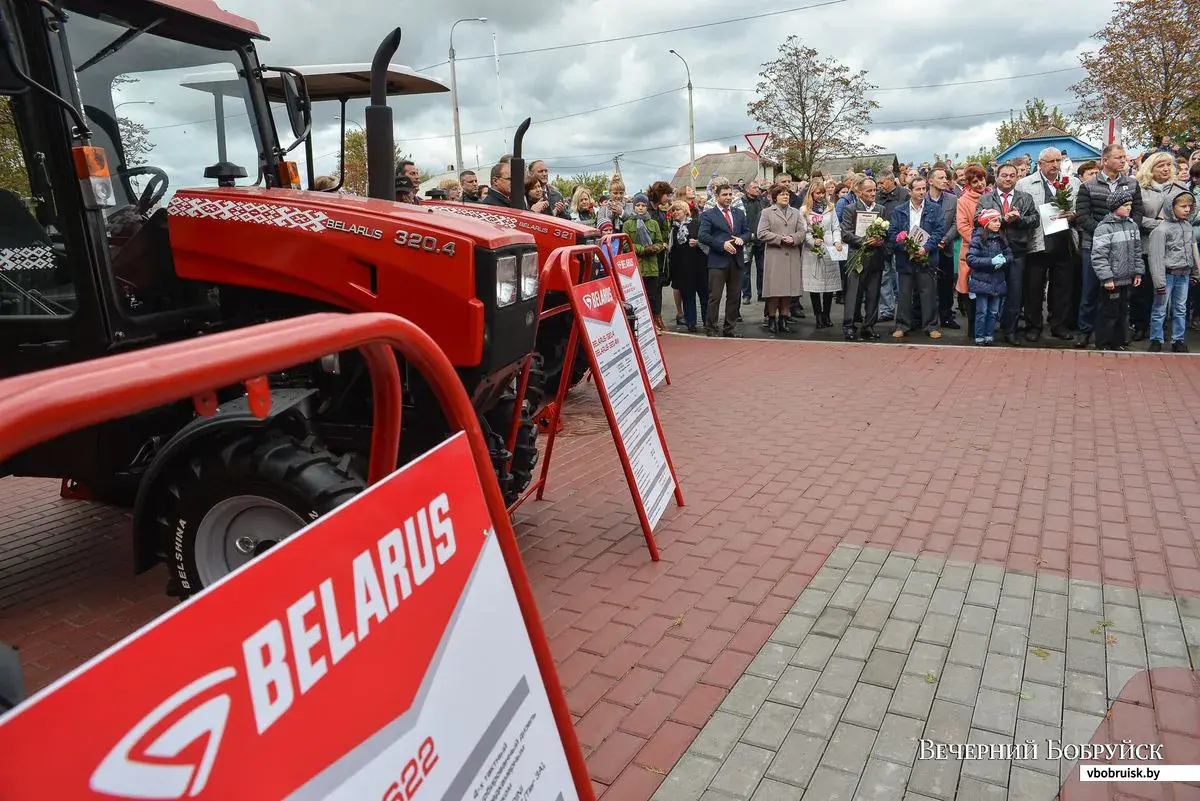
pixel 933 42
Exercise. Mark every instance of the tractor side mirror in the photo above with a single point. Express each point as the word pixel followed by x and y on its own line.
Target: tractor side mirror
pixel 297 104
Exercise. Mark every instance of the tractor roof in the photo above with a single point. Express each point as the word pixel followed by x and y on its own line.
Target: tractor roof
pixel 209 10
pixel 325 82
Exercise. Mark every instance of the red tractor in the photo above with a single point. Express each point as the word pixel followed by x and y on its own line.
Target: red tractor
pixel 101 252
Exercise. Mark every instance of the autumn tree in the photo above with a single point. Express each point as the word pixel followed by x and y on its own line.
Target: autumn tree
pixel 1036 116
pixel 1146 71
pixel 13 175
pixel 355 159
pixel 814 106
pixel 596 183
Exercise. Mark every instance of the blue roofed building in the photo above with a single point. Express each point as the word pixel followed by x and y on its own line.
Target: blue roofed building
pixel 1077 150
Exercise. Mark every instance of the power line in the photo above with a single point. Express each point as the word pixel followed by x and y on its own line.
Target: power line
pixel 922 86
pixel 764 15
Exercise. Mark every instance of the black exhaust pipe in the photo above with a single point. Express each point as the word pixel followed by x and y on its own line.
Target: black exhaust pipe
pixel 517 168
pixel 381 143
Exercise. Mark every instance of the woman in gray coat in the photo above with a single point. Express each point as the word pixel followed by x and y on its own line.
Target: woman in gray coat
pixel 782 230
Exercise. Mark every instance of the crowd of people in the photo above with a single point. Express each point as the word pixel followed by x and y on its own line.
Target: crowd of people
pixel 1104 252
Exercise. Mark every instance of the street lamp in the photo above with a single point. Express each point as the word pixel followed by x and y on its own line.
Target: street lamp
pixel 349 122
pixel 691 116
pixel 454 93
pixel 133 103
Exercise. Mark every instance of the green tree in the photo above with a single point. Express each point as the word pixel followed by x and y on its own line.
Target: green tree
pixel 596 183
pixel 815 107
pixel 355 158
pixel 1146 72
pixel 1036 116
pixel 13 175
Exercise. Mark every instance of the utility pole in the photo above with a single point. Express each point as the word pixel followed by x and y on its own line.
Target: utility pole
pixel 617 163
pixel 458 160
pixel 691 117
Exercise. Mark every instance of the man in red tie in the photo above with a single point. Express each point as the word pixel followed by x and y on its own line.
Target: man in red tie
pixel 724 232
pixel 1019 216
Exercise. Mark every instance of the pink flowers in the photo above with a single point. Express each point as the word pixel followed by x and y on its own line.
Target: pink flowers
pixel 903 235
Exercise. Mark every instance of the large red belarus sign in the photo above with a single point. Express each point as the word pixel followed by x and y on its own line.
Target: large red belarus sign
pixel 378 654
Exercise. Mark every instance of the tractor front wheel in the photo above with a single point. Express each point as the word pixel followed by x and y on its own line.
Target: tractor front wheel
pixel 231 503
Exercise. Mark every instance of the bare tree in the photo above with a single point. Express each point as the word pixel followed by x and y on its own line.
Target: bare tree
pixel 814 106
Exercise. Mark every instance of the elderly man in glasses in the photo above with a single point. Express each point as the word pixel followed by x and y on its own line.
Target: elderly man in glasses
pixel 1050 254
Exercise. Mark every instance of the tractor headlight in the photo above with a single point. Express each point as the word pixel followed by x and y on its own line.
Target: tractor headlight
pixel 506 281
pixel 529 275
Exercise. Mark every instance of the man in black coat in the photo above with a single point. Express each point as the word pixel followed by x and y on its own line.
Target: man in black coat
pixel 1019 216
pixel 500 187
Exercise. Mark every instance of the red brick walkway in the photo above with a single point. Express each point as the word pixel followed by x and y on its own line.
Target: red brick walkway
pixel 1074 463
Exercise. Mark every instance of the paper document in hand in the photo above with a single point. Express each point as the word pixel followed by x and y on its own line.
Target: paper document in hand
pixel 835 254
pixel 919 236
pixel 862 221
pixel 1051 222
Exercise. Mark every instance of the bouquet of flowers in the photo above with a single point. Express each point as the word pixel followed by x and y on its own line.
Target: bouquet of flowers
pixel 916 253
pixel 818 233
pixel 1062 194
pixel 876 230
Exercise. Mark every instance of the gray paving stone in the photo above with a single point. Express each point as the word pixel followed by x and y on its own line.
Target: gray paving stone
pixel 1085 693
pixel 1086 656
pixel 742 771
pixel 832 785
pixel 975 790
pixel 772 660
pixel 947 601
pixel 959 683
pixel 820 715
pixel 770 726
pixel 1122 596
pixel 718 737
pixel 688 779
pixel 911 796
pixel 793 629
pixel 1085 597
pixel 910 607
pixel 1118 677
pixel 925 658
pixel 811 602
pixel 771 790
pixel 913 697
pixel 797 759
pixel 794 686
pixel 936 778
pixel 1041 703
pixel 897 635
pixel 937 629
pixel 897 566
pixel 1085 626
pixel 849 748
pixel 1049 583
pixel 968 649
pixel 840 676
pixel 1018 585
pixel 1029 785
pixel 875 556
pixel 747 696
pixel 827 579
pixel 856 643
pixel 1048 632
pixel 993 573
pixel 814 652
pixel 1008 640
pixel 872 615
pixel 863 572
pixel 1188 605
pixel 1079 727
pixel 1166 640
pixel 1158 661
pixel 1014 611
pixel 882 781
pixel 1002 673
pixel 885 589
pixel 920 584
pixel 929 563
pixel 948 722
pixel 1049 604
pixel 1049 668
pixel 713 795
pixel 1039 733
pixel 956 576
pixel 898 739
pixel 849 596
pixel 884 668
pixel 833 622
pixel 843 556
pixel 996 712
pixel 1123 619
pixel 1126 649
pixel 983 593
pixel 976 619
pixel 1159 610
pixel 993 772
pixel 867 706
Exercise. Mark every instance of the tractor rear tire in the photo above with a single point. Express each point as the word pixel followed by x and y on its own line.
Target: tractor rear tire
pixel 525 452
pixel 231 502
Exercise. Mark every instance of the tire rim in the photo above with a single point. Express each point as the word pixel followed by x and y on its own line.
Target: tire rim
pixel 238 529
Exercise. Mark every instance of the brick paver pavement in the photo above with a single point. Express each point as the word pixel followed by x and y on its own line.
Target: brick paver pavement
pixel 1059 463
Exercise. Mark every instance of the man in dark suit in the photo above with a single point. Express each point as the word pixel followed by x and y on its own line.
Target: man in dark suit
pixel 724 231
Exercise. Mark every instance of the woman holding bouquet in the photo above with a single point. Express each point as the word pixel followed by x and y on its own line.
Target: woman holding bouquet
pixel 822 275
pixel 782 230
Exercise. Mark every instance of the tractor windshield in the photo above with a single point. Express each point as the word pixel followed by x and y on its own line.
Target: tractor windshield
pixel 165 110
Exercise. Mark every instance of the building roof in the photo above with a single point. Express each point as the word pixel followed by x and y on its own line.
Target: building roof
pixel 1077 149
pixel 841 166
pixel 734 165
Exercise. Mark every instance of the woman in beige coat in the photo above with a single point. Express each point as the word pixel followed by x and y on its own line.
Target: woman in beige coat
pixel 782 230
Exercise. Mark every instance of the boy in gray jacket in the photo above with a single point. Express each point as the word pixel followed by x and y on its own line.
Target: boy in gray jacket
pixel 1117 262
pixel 1174 262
